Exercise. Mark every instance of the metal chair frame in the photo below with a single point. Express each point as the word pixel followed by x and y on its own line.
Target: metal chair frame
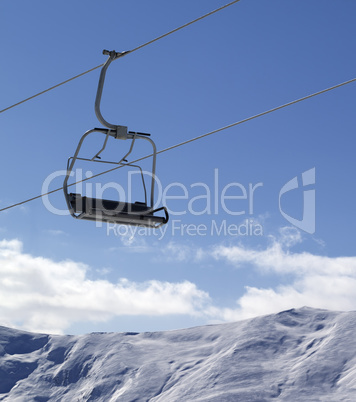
pixel 138 213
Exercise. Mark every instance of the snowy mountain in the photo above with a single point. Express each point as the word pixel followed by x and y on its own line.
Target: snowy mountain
pixel 296 355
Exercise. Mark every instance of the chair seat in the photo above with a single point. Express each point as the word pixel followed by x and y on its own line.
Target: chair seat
pixel 118 212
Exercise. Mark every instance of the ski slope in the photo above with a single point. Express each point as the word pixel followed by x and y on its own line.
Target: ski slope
pixel 296 355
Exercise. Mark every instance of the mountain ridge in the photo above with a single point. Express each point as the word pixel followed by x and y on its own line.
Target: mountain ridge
pixel 299 354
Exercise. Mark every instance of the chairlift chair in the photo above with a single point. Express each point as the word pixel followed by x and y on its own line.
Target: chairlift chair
pixel 114 211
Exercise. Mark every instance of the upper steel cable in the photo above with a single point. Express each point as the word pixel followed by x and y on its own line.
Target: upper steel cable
pixel 124 54
pixel 193 139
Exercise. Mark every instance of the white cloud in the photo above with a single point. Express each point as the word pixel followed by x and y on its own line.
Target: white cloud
pixel 39 294
pixel 289 236
pixel 55 232
pixel 177 252
pixel 276 259
pixel 319 281
pixel 103 271
pixel 135 243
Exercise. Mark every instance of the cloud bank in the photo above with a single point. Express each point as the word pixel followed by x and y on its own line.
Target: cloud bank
pixel 42 295
pixel 318 281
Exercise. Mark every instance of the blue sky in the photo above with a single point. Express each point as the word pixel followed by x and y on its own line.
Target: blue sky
pixel 62 275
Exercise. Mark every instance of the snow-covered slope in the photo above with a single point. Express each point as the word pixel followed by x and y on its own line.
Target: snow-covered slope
pixel 296 355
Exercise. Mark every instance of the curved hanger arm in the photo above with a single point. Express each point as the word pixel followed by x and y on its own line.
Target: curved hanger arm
pixel 121 130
